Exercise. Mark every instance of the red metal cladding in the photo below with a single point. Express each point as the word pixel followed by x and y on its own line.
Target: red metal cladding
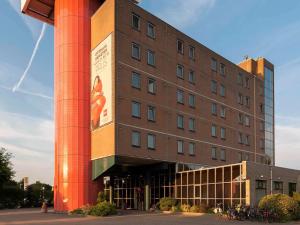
pixel 73 185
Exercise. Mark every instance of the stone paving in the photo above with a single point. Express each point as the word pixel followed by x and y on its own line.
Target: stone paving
pixel 34 216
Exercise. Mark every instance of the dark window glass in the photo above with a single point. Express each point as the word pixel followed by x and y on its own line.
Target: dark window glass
pixel 180 46
pixel 136 80
pixel 136 21
pixel 214 153
pixel 151 113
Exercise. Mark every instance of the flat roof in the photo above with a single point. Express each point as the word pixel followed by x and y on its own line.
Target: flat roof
pixel 42 10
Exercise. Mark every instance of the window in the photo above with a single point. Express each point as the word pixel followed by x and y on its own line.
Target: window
pixel 247 140
pixel 223 155
pixel 262 107
pixel 192 100
pixel 136 109
pixel 241 118
pixel 151 113
pixel 247 121
pixel 136 80
pixel 180 124
pixel 214 86
pixel 192 148
pixel 151 30
pixel 180 46
pixel 192 76
pixel 213 64
pixel 240 99
pixel 214 130
pixel 240 157
pixel 223 133
pixel 240 79
pixel 136 139
pixel 136 51
pixel 135 21
pixel 214 109
pixel 247 101
pixel 278 186
pixel 180 96
pixel 192 125
pixel 180 147
pixel 247 82
pixel 151 86
pixel 180 71
pixel 192 52
pixel 223 112
pixel 240 138
pixel 151 58
pixel 222 90
pixel 222 69
pixel 213 153
pixel 261 184
pixel 151 141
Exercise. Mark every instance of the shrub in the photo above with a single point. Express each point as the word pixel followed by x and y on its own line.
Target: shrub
pixel 103 209
pixel 284 206
pixel 84 210
pixel 185 208
pixel 195 209
pixel 102 197
pixel 296 197
pixel 175 208
pixel 165 204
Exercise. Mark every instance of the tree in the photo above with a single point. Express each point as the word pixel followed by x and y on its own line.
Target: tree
pixel 6 168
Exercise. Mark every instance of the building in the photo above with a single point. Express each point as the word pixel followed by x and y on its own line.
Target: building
pixel 157 113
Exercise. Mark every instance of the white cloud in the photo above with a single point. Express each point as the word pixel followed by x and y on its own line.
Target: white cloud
pixel 185 13
pixel 287 145
pixel 30 140
pixel 33 25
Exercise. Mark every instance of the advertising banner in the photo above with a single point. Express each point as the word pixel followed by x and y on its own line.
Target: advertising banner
pixel 101 84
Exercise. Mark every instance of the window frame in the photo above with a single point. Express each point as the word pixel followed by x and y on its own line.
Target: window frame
pixel 179 93
pixel 192 153
pixel 192 74
pixel 213 153
pixel 132 109
pixel 180 143
pixel 132 139
pixel 151 53
pixel 180 122
pixel 154 85
pixel 192 50
pixel 153 36
pixel 132 21
pixel 214 64
pixel 192 122
pixel 154 113
pixel 133 45
pixel 154 141
pixel 214 128
pixel 133 73
pixel 214 87
pixel 192 99
pixel 182 45
pixel 181 76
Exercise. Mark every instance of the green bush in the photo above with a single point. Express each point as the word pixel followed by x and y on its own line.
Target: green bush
pixel 102 197
pixel 84 210
pixel 195 209
pixel 165 204
pixel 103 209
pixel 175 208
pixel 284 206
pixel 185 208
pixel 296 197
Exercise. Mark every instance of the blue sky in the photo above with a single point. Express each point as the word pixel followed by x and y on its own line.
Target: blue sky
pixel 269 28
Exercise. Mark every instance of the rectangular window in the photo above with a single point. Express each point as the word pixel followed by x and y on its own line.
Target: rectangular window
pixel 180 124
pixel 151 30
pixel 223 112
pixel 247 82
pixel 241 118
pixel 136 51
pixel 136 139
pixel 214 130
pixel 213 64
pixel 214 153
pixel 214 87
pixel 240 79
pixel 214 109
pixel 240 138
pixel 278 186
pixel 261 184
pixel 136 109
pixel 240 99
pixel 222 69
pixel 223 155
pixel 151 58
pixel 247 121
pixel 247 101
pixel 192 52
pixel 136 80
pixel 247 140
pixel 151 86
pixel 240 157
pixel 222 90
pixel 223 133
pixel 135 21
pixel 151 113
pixel 192 77
pixel 180 147
pixel 180 71
pixel 192 100
pixel 262 108
pixel 151 141
pixel 180 46
pixel 192 125
pixel 180 96
pixel 192 148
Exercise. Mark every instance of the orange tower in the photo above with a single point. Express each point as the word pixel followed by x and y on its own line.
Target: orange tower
pixel 72 43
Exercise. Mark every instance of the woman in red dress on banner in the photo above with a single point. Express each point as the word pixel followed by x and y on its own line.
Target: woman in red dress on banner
pixel 97 102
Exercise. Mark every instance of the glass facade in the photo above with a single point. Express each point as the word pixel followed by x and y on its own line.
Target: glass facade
pixel 269 114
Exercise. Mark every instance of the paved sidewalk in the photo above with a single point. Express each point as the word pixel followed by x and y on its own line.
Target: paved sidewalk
pixel 34 216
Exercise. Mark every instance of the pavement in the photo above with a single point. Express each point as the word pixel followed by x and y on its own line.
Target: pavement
pixel 34 216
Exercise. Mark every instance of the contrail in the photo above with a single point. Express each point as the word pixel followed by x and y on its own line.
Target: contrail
pixel 16 87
